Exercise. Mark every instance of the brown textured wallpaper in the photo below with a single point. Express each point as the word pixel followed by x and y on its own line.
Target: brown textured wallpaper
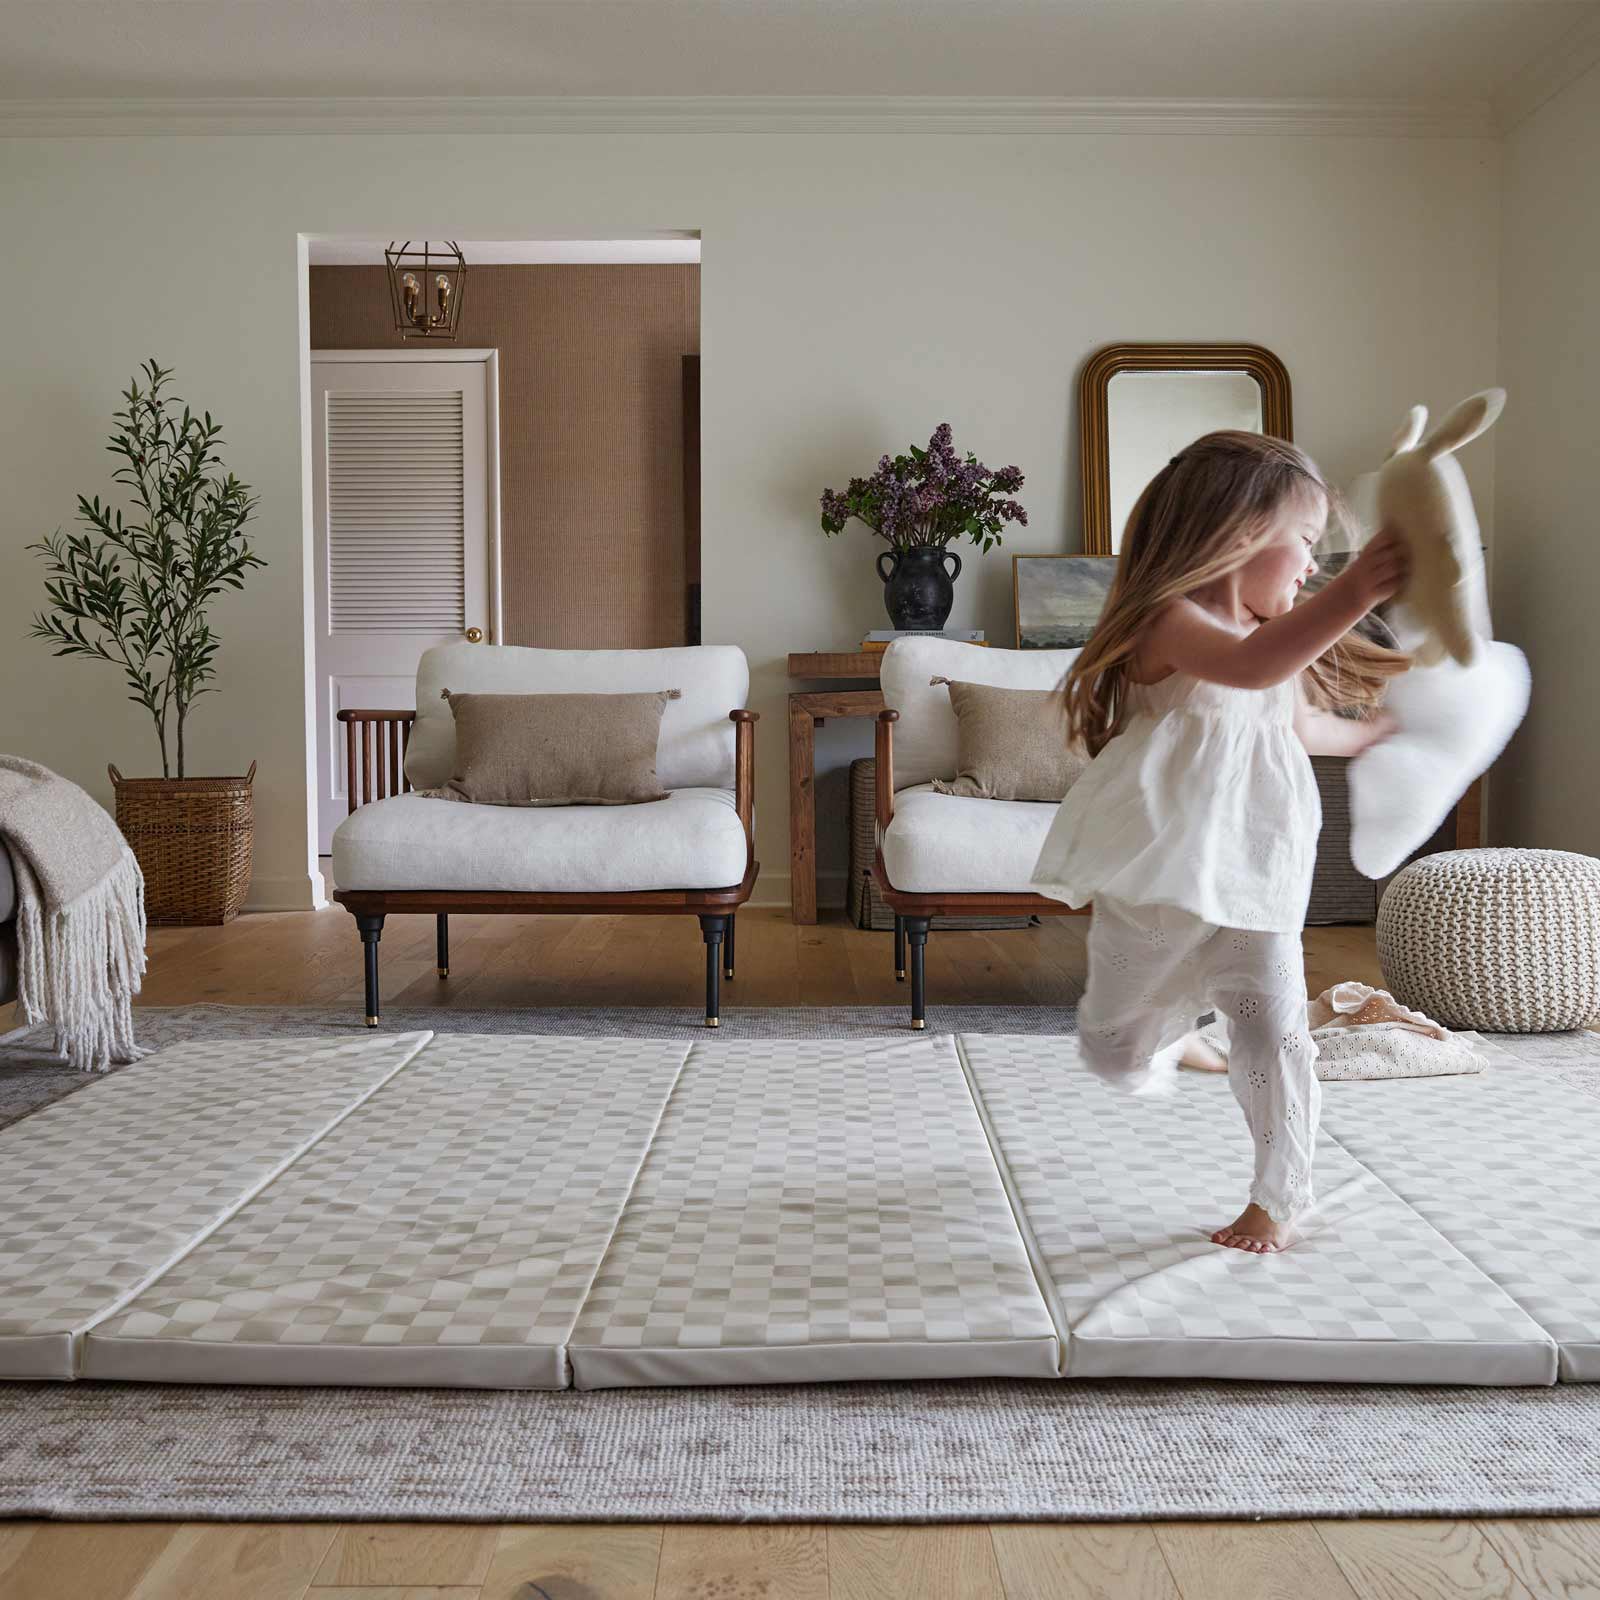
pixel 591 435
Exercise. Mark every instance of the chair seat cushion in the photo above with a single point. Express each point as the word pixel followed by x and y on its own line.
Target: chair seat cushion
pixel 691 840
pixel 953 844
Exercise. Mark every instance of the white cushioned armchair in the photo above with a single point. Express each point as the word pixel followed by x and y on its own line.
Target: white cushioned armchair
pixel 691 853
pixel 945 855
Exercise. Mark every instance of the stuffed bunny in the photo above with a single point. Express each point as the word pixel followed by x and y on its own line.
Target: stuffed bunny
pixel 1422 494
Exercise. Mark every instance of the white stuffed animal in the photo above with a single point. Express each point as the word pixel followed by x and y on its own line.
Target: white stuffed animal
pixel 1458 706
pixel 1423 496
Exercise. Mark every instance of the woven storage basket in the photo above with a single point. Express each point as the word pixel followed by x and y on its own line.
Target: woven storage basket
pixel 193 838
pixel 1504 941
pixel 867 909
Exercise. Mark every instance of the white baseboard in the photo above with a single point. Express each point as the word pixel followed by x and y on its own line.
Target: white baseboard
pixel 303 893
pixel 772 889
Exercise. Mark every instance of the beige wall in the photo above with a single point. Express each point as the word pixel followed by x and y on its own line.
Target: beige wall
pixel 856 290
pixel 591 435
pixel 1547 551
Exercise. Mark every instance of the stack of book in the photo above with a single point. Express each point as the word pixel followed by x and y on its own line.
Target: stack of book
pixel 880 639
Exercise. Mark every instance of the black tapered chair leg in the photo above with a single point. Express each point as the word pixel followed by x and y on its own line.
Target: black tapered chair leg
pixel 917 937
pixel 714 926
pixel 370 926
pixel 899 948
pixel 442 926
pixel 727 948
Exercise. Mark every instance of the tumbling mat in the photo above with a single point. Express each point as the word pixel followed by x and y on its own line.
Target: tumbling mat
pixel 816 1210
pixel 446 1237
pixel 1507 1163
pixel 535 1211
pixel 1118 1196
pixel 101 1193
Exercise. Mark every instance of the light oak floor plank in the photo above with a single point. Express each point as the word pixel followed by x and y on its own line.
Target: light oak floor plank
pixel 787 1561
pixel 1261 1560
pixel 954 1561
pixel 575 1561
pixel 1420 1560
pixel 1554 1557
pixel 1091 1561
pixel 87 1561
pixel 408 1555
pixel 236 1561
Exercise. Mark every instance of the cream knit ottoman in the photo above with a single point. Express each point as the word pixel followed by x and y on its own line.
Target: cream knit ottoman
pixel 1504 941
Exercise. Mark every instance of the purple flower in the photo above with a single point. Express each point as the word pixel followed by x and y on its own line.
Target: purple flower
pixel 929 497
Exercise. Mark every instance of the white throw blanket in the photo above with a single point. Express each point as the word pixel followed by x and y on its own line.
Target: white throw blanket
pixel 80 915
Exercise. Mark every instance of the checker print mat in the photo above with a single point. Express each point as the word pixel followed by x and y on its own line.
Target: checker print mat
pixel 101 1191
pixel 468 1206
pixel 1120 1195
pixel 1507 1162
pixel 816 1192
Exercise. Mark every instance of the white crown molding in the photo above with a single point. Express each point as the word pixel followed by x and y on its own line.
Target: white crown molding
pixel 748 114
pixel 1572 55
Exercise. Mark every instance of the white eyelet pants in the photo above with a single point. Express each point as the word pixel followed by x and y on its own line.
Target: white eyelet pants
pixel 1153 970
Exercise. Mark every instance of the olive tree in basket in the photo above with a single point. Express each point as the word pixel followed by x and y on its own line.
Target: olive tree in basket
pixel 132 586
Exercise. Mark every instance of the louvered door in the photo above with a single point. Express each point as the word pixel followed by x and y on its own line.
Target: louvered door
pixel 403 502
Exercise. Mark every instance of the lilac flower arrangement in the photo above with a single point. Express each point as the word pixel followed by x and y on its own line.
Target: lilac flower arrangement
pixel 930 497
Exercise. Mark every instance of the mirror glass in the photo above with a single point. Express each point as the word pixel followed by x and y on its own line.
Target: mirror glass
pixel 1151 416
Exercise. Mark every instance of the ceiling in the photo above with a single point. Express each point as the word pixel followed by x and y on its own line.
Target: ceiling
pixel 1493 54
pixel 664 247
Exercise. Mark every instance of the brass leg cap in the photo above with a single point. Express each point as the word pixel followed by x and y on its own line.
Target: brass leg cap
pixel 728 974
pixel 713 1022
pixel 372 1022
pixel 899 974
pixel 444 972
pixel 919 1023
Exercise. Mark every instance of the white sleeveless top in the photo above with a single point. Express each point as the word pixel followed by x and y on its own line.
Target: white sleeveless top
pixel 1206 800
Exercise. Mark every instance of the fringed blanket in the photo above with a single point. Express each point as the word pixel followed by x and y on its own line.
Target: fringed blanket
pixel 80 915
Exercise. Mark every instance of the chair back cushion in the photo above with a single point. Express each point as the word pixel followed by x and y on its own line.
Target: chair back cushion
pixel 927 736
pixel 696 746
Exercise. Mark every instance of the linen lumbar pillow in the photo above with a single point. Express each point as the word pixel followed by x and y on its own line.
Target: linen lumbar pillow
pixel 1011 744
pixel 555 749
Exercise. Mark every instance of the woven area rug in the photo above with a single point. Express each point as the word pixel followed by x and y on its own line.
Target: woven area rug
pixel 958 1451
pixel 914 1452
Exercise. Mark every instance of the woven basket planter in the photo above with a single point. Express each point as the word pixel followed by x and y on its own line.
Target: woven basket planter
pixel 1502 941
pixel 193 839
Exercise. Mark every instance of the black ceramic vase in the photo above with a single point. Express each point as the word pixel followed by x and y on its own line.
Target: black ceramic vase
pixel 917 591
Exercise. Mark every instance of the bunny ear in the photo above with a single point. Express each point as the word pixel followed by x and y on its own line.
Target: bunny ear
pixel 1409 431
pixel 1475 414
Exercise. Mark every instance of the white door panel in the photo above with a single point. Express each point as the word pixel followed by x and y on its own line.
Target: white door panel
pixel 405 542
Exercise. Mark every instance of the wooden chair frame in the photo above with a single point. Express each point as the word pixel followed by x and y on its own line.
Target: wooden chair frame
pixel 375 748
pixel 913 912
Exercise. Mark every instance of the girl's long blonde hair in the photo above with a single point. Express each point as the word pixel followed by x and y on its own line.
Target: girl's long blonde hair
pixel 1205 514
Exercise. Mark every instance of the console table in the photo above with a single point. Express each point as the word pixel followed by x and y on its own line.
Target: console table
pixel 807 709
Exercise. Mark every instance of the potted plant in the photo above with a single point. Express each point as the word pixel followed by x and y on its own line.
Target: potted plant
pixel 133 590
pixel 921 503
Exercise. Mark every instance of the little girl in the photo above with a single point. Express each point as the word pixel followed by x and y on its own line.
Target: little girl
pixel 1201 696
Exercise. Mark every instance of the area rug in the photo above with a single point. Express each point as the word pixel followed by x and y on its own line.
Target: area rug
pixel 911 1452
pixel 894 1452
pixel 31 1076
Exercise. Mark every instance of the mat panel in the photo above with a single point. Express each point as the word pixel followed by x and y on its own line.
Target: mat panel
pixel 815 1210
pixel 445 1235
pixel 1119 1195
pixel 1506 1164
pixel 101 1191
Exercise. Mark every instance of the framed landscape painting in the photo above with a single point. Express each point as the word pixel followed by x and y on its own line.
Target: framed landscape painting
pixel 1058 599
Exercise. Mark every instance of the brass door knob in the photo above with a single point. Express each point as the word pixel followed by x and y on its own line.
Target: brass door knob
pixel 474 635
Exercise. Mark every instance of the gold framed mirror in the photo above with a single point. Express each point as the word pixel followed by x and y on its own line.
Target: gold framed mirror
pixel 1139 404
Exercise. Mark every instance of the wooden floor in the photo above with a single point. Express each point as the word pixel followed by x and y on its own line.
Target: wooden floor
pixel 312 958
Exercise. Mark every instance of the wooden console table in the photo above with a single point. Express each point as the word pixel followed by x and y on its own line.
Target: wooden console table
pixel 806 711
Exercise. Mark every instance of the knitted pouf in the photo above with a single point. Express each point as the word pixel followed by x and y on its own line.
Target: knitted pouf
pixel 1502 941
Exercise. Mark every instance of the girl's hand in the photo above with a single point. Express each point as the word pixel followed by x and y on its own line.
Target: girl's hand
pixel 1381 570
pixel 1379 727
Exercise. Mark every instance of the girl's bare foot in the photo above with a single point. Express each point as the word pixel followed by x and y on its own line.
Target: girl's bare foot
pixel 1256 1232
